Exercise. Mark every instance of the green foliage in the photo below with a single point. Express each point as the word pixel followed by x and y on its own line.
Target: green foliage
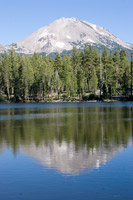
pixel 124 71
pixel 93 97
pixel 94 81
pixel 40 78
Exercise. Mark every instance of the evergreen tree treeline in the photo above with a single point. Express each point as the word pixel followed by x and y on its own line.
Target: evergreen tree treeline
pixel 40 77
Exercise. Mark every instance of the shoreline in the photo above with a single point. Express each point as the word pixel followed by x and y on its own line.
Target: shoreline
pixel 60 101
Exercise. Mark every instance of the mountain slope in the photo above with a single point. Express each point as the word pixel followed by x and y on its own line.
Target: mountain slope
pixel 65 33
pixel 2 49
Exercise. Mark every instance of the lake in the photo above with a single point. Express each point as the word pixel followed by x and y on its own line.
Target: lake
pixel 66 151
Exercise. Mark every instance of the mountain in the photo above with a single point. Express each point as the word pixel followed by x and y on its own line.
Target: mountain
pixel 64 33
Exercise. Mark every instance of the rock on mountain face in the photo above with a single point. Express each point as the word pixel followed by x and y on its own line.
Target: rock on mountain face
pixel 65 33
pixel 2 49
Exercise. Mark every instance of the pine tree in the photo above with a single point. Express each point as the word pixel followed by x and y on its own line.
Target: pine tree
pixel 76 63
pixel 111 77
pixel 58 71
pixel 96 64
pixel 116 60
pixel 124 71
pixel 94 81
pixel 15 64
pixel 47 75
pixel 7 75
pixel 88 66
pixel 36 66
pixel 104 59
pixel 27 76
pixel 67 75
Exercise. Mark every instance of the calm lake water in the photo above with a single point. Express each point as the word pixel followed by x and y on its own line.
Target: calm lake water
pixel 66 151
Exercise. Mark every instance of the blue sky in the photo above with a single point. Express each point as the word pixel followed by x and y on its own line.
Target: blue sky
pixel 20 18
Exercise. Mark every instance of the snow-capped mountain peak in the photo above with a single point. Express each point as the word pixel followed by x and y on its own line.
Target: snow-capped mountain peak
pixel 64 33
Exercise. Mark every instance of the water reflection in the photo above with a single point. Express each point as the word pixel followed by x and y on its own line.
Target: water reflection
pixel 1 149
pixel 67 160
pixel 70 139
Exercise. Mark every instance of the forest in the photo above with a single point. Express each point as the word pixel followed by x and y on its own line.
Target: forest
pixel 85 75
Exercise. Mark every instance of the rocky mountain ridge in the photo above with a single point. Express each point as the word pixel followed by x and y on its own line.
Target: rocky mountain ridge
pixel 63 34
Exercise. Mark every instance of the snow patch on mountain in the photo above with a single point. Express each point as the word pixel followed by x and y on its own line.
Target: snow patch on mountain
pixel 60 44
pixel 67 36
pixel 91 40
pixel 94 27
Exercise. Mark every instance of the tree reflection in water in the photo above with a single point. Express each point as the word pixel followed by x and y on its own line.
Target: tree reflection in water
pixel 70 139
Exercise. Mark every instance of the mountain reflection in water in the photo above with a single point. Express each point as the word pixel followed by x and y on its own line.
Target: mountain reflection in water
pixel 69 139
pixel 66 159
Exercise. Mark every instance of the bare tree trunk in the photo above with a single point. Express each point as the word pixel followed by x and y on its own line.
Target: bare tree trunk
pixel 8 92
